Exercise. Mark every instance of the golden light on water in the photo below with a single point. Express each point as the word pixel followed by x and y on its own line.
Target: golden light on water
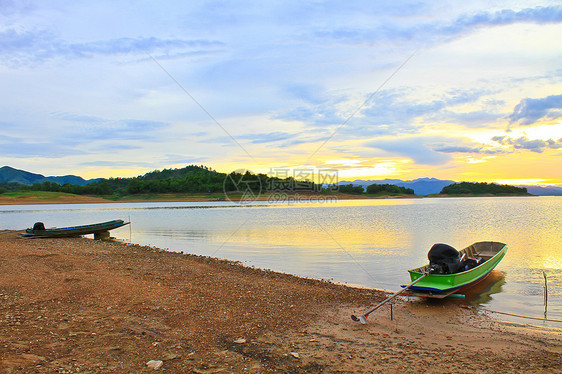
pixel 319 231
pixel 553 262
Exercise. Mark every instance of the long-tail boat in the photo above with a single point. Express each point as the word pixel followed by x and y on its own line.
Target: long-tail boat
pixel 100 230
pixel 446 277
pixel 449 271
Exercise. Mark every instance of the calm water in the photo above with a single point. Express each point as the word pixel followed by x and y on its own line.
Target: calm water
pixel 363 242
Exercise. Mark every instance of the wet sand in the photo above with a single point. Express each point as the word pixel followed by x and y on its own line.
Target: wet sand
pixel 81 305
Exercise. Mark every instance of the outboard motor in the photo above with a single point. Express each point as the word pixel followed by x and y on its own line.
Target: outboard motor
pixel 38 226
pixel 443 259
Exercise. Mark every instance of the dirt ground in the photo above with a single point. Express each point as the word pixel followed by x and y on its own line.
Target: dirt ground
pixel 80 305
pixel 63 199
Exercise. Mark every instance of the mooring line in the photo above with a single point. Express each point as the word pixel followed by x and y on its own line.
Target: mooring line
pixel 515 315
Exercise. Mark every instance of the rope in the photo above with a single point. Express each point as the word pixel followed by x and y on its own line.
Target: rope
pixel 516 315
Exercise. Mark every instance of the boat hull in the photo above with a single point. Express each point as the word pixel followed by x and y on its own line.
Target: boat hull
pixel 63 232
pixel 443 285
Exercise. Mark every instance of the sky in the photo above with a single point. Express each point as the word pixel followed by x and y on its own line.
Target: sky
pixel 467 91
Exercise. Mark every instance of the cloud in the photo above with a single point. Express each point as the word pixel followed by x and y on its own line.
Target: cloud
pixel 184 159
pixel 415 148
pixel 472 119
pixel 21 148
pixel 530 111
pixel 78 118
pixel 82 135
pixel 267 137
pixel 117 164
pixel 535 145
pixel 152 164
pixel 396 108
pixel 467 149
pixel 25 47
pixel 391 112
pixel 282 139
pixel 318 116
pixel 431 32
pixel 432 150
pixel 550 14
pixel 114 147
pixel 309 93
pixel 97 128
pixel 309 64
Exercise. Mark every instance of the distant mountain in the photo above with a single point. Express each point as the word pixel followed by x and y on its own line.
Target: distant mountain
pixel 428 186
pixel 544 191
pixel 421 186
pixel 11 175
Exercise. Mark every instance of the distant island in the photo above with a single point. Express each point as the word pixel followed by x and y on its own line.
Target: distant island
pixel 433 186
pixel 201 182
pixel 466 188
pixel 454 189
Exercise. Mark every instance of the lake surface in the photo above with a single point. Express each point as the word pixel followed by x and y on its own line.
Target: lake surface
pixel 361 242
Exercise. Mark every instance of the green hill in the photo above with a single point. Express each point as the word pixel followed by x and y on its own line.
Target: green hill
pixel 389 189
pixel 468 188
pixel 10 175
pixel 190 179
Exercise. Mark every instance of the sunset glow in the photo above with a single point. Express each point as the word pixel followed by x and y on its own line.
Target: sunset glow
pixel 470 92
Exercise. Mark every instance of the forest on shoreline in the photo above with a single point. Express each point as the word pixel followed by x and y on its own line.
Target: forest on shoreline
pixel 199 179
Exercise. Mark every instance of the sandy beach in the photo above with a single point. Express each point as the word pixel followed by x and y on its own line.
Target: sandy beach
pixel 80 305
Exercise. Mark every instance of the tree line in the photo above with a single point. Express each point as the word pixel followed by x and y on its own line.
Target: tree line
pixel 374 189
pixel 199 179
pixel 190 179
pixel 482 188
pixel 202 179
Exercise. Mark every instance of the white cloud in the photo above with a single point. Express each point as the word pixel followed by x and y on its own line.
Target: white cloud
pixel 280 77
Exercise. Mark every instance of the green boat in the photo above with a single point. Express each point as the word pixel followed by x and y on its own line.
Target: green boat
pixel 474 263
pixel 100 230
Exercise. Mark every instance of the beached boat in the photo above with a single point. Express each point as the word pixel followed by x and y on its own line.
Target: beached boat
pixel 98 229
pixel 449 271
pixel 472 265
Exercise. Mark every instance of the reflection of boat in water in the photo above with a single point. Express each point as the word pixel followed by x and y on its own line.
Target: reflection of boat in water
pixel 451 271
pixel 482 292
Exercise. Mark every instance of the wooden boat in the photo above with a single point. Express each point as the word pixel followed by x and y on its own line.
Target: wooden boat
pixel 100 230
pixel 484 256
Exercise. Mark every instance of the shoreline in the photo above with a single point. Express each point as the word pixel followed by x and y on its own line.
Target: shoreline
pixel 79 304
pixel 288 198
